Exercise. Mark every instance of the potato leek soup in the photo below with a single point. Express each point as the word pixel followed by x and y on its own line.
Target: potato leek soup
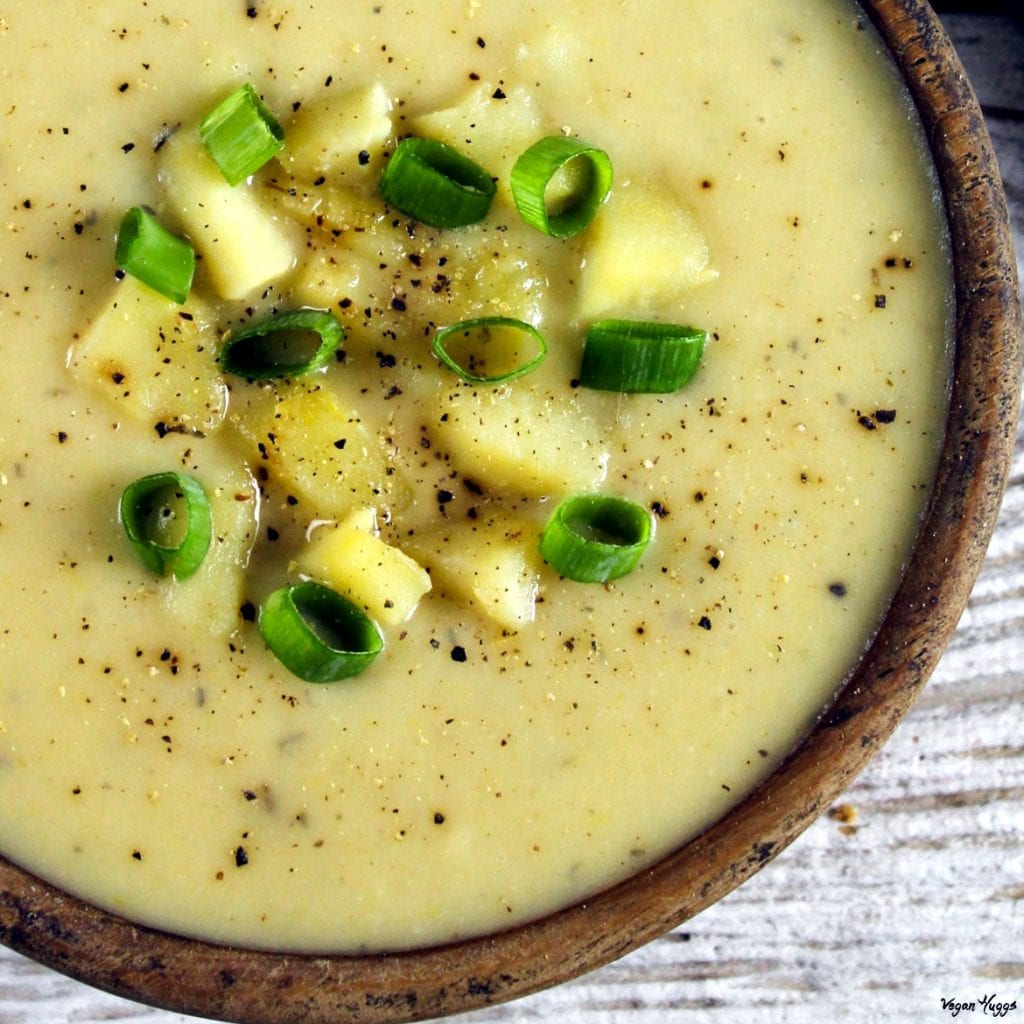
pixel 581 605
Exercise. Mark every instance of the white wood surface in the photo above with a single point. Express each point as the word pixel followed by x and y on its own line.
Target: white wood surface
pixel 920 899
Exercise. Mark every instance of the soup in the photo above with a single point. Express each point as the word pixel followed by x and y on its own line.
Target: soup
pixel 522 740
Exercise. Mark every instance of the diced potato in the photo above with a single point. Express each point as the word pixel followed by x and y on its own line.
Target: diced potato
pixel 644 250
pixel 474 272
pixel 330 206
pixel 490 125
pixel 153 359
pixel 521 439
pixel 316 447
pixel 384 581
pixel 242 244
pixel 209 600
pixel 492 565
pixel 328 135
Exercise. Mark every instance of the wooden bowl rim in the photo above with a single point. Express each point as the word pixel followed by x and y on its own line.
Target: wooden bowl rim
pixel 257 987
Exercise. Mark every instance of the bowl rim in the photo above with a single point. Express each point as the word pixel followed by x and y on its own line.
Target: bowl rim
pixel 250 986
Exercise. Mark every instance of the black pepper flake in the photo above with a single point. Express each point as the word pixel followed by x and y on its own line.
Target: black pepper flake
pixel 62 436
pixel 714 561
pixel 241 857
pixel 866 422
pixel 340 443
pixel 250 12
pixel 659 509
pixel 272 534
pixel 438 818
pixel 385 360
pixel 837 589
pixel 123 87
pixel 249 795
pixel 704 622
pixel 127 147
pixel 248 611
pixel 136 855
pixel 398 304
pixel 363 158
pixel 319 181
pixel 884 416
pixel 443 497
pixel 879 302
pixel 458 653
pixel 481 42
pixel 79 227
pixel 498 94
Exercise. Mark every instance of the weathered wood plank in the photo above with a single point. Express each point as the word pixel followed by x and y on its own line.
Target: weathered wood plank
pixel 920 898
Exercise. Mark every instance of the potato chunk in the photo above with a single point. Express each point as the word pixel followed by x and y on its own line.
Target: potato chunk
pixel 521 439
pixel 644 250
pixel 153 359
pixel 384 581
pixel 492 565
pixel 243 246
pixel 316 447
pixel 209 600
pixel 339 133
pixel 490 125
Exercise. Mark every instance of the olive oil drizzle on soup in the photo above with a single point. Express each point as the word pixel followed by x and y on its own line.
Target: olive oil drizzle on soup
pixel 522 741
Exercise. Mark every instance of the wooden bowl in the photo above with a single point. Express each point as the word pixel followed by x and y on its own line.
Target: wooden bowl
pixel 239 985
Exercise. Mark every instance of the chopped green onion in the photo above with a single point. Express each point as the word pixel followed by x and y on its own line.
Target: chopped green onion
pixel 487 341
pixel 241 134
pixel 436 184
pixel 593 538
pixel 541 166
pixel 167 519
pixel 148 251
pixel 287 344
pixel 630 355
pixel 317 634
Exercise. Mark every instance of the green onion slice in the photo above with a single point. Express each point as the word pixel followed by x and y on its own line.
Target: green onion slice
pixel 592 538
pixel 148 251
pixel 287 344
pixel 559 184
pixel 435 184
pixel 490 349
pixel 241 134
pixel 167 519
pixel 631 355
pixel 317 634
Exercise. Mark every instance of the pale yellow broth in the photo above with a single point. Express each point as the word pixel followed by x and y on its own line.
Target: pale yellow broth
pixel 432 799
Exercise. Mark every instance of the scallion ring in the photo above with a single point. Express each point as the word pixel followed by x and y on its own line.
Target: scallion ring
pixel 167 519
pixel 548 195
pixel 488 349
pixel 152 254
pixel 241 134
pixel 317 634
pixel 634 356
pixel 286 344
pixel 434 183
pixel 593 538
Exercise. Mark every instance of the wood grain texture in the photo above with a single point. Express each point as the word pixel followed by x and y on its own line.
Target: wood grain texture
pixel 910 891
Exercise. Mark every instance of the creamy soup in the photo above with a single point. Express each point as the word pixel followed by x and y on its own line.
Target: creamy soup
pixel 522 740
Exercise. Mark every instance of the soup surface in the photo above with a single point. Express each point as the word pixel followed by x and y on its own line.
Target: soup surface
pixel 523 740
